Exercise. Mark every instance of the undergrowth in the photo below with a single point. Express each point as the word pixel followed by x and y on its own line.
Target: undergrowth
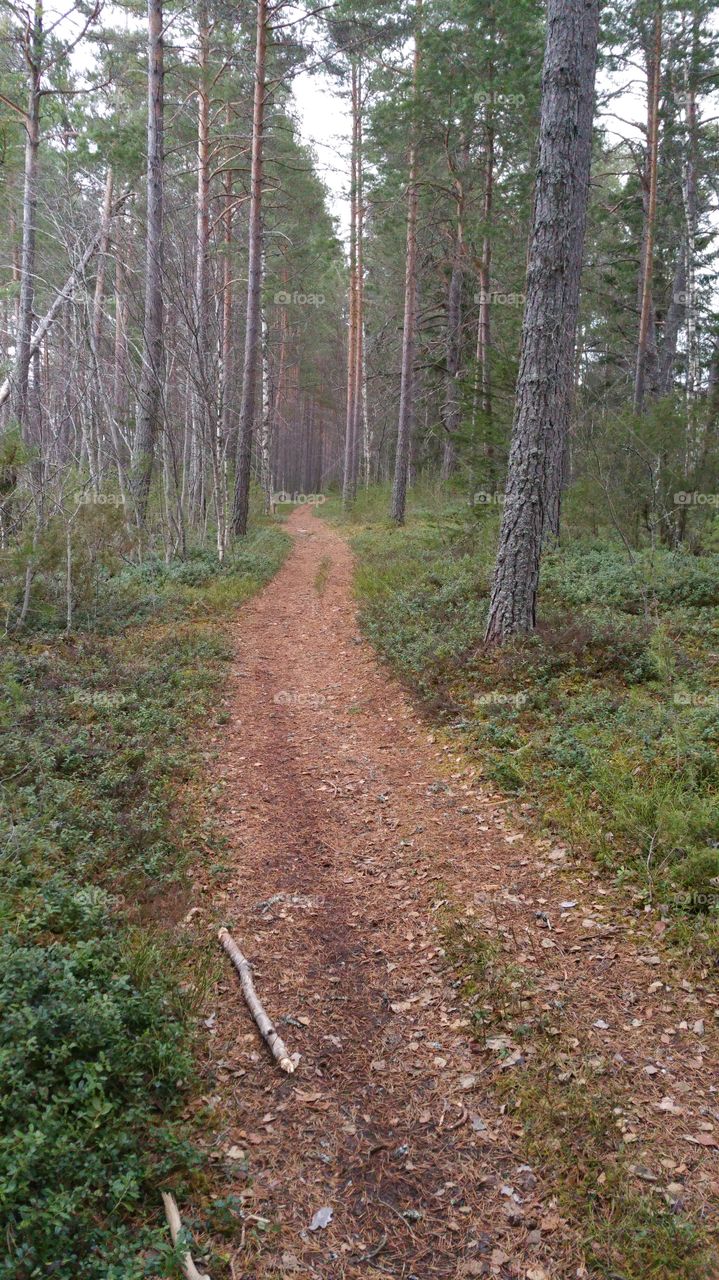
pixel 606 720
pixel 567 1112
pixel 97 1000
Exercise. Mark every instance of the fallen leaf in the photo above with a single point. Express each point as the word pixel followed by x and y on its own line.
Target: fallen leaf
pixel 498 1259
pixel 550 1222
pixel 668 1105
pixel 701 1140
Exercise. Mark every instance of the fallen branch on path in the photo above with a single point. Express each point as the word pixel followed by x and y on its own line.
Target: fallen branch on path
pixel 174 1222
pixel 267 1030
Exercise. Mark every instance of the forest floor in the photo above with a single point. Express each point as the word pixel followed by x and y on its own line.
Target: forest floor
pixel 503 1070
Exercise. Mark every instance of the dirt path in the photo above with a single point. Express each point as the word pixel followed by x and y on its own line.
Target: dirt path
pixel 349 830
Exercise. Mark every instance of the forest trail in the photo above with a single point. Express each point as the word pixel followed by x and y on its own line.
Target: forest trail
pixel 350 829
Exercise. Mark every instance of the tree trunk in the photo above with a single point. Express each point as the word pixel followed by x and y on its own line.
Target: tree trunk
pixel 267 408
pixel 150 391
pixel 253 335
pixel 451 410
pixel 689 194
pixel 100 404
pixel 103 250
pixel 348 481
pixel 483 384
pixel 201 381
pixel 404 424
pixel 228 416
pixel 646 347
pixel 29 225
pixel 673 323
pixel 546 370
pixel 359 403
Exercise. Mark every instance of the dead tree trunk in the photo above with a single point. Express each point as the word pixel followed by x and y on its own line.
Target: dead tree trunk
pixel 23 359
pixel 546 370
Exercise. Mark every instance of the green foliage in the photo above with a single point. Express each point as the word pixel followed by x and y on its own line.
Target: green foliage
pixel 95 1038
pixel 607 718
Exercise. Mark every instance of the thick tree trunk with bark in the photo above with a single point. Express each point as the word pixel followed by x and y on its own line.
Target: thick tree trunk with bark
pixel 406 394
pixel 150 391
pixel 253 332
pixel 546 369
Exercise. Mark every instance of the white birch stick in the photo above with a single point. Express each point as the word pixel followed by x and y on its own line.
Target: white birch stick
pixel 267 1030
pixel 174 1222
